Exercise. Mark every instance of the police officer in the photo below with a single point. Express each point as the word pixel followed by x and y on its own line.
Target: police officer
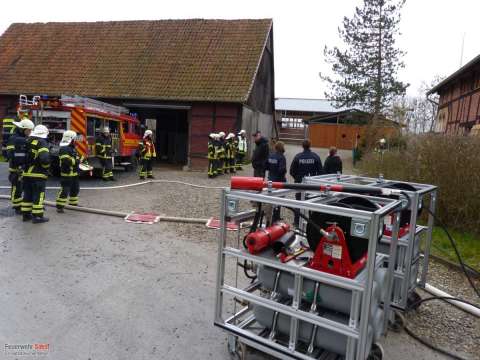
pixel 277 164
pixel 69 169
pixel 16 151
pixel 35 175
pixel 242 148
pixel 230 153
pixel 277 169
pixel 104 152
pixel 333 163
pixel 211 156
pixel 306 163
pixel 146 148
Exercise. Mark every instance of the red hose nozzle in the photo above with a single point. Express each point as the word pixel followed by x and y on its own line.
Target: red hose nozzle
pixel 247 183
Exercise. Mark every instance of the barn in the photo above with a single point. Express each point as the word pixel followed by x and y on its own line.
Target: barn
pixel 184 78
pixel 291 115
pixel 347 129
pixel 459 103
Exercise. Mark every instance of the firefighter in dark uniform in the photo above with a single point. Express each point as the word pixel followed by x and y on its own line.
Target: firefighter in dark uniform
pixel 222 167
pixel 69 169
pixel 147 153
pixel 35 175
pixel 16 155
pixel 306 163
pixel 211 156
pixel 219 153
pixel 230 153
pixel 104 152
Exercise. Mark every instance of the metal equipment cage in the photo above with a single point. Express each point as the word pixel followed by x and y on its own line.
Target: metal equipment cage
pixel 409 274
pixel 297 325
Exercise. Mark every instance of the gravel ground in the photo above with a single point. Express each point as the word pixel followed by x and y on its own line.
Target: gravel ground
pixel 443 324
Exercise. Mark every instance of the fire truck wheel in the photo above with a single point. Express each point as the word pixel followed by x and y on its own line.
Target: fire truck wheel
pixel 376 353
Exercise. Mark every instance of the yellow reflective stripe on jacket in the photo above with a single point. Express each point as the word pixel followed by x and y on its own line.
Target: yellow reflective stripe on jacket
pixel 72 172
pixel 66 156
pixel 35 175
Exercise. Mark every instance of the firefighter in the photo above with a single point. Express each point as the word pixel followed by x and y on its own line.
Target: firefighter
pixel 241 149
pixel 230 153
pixel 235 151
pixel 69 169
pixel 218 152
pixel 104 152
pixel 146 149
pixel 211 156
pixel 35 175
pixel 16 149
pixel 221 153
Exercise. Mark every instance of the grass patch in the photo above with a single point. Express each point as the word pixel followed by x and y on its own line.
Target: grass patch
pixel 468 246
pixel 2 159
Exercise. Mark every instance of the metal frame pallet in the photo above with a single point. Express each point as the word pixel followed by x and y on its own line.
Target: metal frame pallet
pixel 242 326
pixel 408 258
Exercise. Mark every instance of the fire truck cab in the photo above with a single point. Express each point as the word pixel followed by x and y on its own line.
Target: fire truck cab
pixel 87 117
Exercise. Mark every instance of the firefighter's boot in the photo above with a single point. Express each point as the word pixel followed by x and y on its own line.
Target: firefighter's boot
pixel 40 219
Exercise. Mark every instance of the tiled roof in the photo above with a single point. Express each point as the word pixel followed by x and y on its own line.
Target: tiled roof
pixel 186 60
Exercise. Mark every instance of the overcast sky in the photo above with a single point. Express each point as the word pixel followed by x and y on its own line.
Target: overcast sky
pixel 432 31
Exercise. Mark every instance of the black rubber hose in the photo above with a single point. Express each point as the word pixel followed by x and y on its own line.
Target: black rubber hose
pixel 430 345
pixel 417 303
pixel 457 253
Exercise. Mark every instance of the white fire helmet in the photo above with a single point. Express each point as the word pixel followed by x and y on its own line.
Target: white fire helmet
pixel 221 134
pixel 212 135
pixel 40 131
pixel 68 137
pixel 24 124
pixel 230 136
pixel 147 133
pixel 106 130
pixel 242 132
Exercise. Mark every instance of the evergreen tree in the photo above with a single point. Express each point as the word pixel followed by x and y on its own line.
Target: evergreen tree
pixel 366 69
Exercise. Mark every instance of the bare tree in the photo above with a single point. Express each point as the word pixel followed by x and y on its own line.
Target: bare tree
pixel 416 113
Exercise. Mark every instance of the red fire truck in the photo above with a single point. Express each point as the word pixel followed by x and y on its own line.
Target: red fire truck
pixel 87 117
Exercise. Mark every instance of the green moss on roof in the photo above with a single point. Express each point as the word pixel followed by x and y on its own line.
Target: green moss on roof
pixel 182 60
